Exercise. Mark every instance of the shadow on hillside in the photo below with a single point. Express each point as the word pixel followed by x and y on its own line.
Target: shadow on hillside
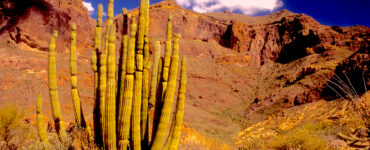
pixel 14 11
pixel 351 77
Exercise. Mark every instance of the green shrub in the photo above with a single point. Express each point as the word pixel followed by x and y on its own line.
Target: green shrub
pixel 13 130
pixel 303 138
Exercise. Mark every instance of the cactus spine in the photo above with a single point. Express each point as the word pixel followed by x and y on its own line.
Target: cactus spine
pixel 73 67
pixel 168 98
pixel 95 66
pixel 41 125
pixel 54 99
pixel 110 103
pixel 125 118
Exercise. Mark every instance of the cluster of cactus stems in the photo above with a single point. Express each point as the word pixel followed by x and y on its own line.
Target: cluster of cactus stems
pixel 121 114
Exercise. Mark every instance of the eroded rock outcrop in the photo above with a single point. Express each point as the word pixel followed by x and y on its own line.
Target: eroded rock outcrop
pixel 33 21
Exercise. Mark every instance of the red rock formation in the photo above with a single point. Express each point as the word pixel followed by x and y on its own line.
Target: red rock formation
pixel 32 22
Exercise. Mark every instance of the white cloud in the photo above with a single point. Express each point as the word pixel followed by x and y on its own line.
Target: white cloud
pixel 248 7
pixel 89 6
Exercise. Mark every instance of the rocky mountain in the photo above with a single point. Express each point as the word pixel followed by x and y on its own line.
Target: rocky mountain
pixel 241 69
pixel 31 22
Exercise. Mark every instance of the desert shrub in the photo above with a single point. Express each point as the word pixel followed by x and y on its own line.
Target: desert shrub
pixel 304 138
pixel 13 131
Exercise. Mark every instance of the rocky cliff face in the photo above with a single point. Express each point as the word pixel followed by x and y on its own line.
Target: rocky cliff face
pixel 32 22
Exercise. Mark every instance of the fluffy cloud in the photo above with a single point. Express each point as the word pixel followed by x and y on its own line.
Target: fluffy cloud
pixel 89 6
pixel 248 7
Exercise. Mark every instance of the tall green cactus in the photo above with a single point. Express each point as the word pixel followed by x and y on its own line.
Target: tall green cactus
pixel 136 109
pixel 125 118
pixel 164 76
pixel 41 125
pixel 154 81
pixel 145 96
pixel 168 98
pixel 80 121
pixel 134 94
pixel 179 115
pixel 110 103
pixel 144 105
pixel 95 66
pixel 54 99
pixel 122 71
pixel 123 60
pixel 167 54
pixel 158 97
pixel 110 16
pixel 102 94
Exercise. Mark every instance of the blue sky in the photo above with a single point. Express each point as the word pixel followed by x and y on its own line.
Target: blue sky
pixel 328 12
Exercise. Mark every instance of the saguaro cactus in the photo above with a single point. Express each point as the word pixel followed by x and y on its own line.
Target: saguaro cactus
pixel 110 104
pixel 80 121
pixel 54 99
pixel 41 125
pixel 125 118
pixel 168 98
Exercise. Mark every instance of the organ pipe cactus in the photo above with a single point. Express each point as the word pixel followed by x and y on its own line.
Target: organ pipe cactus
pixel 122 67
pixel 154 80
pixel 41 125
pixel 109 23
pixel 80 121
pixel 53 93
pixel 121 113
pixel 168 99
pixel 136 107
pixel 95 67
pixel 179 115
pixel 164 76
pixel 102 94
pixel 110 103
pixel 145 96
pixel 125 118
pixel 167 54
